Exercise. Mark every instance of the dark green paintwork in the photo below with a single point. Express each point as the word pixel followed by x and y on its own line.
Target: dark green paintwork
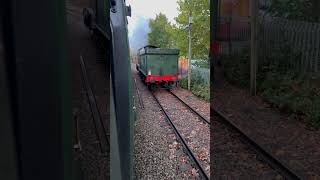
pixel 102 17
pixel 122 114
pixel 38 116
pixel 158 61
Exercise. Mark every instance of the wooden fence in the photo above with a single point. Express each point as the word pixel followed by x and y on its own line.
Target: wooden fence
pixel 296 43
pixel 293 43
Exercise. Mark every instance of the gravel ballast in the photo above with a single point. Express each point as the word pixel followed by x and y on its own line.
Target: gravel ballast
pixel 157 152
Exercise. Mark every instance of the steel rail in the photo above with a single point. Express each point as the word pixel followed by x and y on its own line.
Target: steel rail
pixel 190 108
pixel 267 157
pixel 77 144
pixel 99 127
pixel 184 143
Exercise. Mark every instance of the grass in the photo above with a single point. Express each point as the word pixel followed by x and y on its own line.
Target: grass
pixel 288 90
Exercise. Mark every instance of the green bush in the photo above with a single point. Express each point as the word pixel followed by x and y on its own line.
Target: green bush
pixel 202 63
pixel 294 93
pixel 184 83
pixel 237 68
pixel 198 86
pixel 283 87
pixel 201 91
pixel 313 115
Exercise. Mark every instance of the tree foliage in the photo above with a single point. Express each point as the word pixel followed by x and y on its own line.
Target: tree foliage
pixel 305 10
pixel 164 34
pixel 160 32
pixel 200 28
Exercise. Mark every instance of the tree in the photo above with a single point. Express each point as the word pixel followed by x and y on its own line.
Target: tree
pixel 164 34
pixel 160 32
pixel 200 28
pixel 307 10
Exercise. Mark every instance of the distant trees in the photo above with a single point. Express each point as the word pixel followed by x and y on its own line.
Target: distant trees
pixel 160 32
pixel 175 35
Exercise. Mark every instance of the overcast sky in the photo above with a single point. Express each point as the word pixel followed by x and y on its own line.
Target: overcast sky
pixel 141 12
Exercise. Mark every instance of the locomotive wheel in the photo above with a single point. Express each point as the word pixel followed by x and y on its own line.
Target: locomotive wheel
pixel 151 87
pixel 143 78
pixel 170 85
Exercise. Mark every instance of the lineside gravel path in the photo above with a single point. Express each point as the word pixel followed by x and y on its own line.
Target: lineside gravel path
pixel 232 159
pixel 157 153
pixel 190 126
pixel 288 140
pixel 93 164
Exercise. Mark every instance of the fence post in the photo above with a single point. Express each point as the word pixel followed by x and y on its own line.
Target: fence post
pixel 277 40
pixel 309 44
pixel 300 46
pixel 317 50
pixel 291 41
pixel 305 49
pixel 254 34
pixel 297 47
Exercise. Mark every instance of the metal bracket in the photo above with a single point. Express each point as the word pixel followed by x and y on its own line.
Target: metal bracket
pixel 128 10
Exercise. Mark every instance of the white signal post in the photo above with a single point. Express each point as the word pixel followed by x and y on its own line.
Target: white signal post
pixel 189 59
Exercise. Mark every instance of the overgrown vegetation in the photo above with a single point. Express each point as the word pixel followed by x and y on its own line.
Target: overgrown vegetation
pixel 304 10
pixel 283 87
pixel 200 28
pixel 237 68
pixel 294 93
pixel 198 86
pixel 201 63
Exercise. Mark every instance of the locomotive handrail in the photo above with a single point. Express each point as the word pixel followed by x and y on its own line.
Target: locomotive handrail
pixel 148 46
pixel 152 46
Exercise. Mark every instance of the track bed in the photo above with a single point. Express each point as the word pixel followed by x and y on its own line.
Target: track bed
pixel 93 160
pixel 158 151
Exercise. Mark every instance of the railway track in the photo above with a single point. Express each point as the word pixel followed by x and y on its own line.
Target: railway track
pixel 100 130
pixel 190 108
pixel 184 143
pixel 264 155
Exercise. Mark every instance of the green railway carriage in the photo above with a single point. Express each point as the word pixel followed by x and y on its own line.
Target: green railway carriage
pixel 158 65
